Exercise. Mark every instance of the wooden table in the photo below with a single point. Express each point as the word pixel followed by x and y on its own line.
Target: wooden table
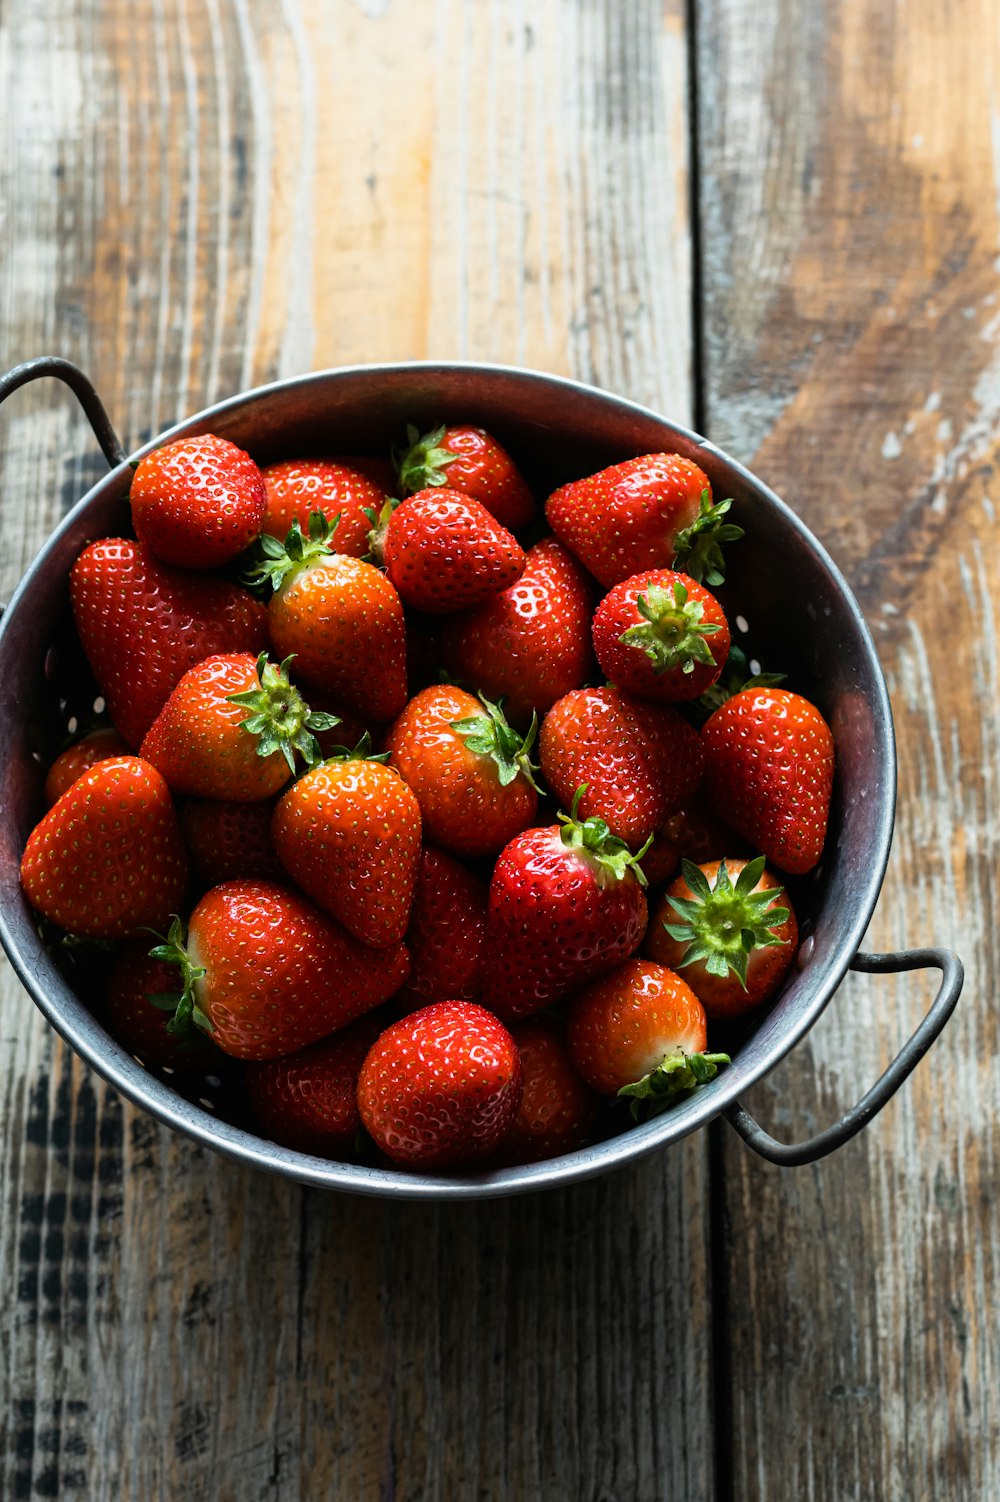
pixel 778 222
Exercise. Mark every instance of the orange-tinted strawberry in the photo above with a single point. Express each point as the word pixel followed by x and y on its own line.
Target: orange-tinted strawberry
pixel 348 833
pixel 652 512
pixel 441 1087
pixel 265 972
pixel 197 502
pixel 298 487
pixel 135 1015
pixel 731 929
pixel 99 745
pixel 308 1100
pixel 470 460
pixel 769 760
pixel 229 841
pixel 445 936
pixel 557 1110
pixel 661 636
pixel 107 860
pixel 443 551
pixel 143 625
pixel 637 760
pixel 470 770
pixel 530 644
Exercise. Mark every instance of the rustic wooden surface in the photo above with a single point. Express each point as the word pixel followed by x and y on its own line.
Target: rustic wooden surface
pixel 202 194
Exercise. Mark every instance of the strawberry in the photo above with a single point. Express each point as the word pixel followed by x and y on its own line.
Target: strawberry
pixel 347 728
pixel 197 502
pixel 471 772
pixel 662 636
pixel 735 942
pixel 143 625
pixel 693 831
pixel 637 760
pixel 652 512
pixel 99 745
pixel 265 972
pixel 640 1032
pixel 231 728
pixel 565 903
pixel 530 644
pixel 443 551
pixel 557 1110
pixel 445 936
pixel 469 460
pixel 441 1087
pixel 107 860
pixel 135 1015
pixel 228 841
pixel 297 487
pixel 348 833
pixel 308 1100
pixel 340 618
pixel 769 773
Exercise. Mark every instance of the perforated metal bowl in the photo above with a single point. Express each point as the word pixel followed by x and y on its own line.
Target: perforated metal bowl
pixel 557 429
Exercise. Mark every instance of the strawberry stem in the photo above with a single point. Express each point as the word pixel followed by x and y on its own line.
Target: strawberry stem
pixel 423 463
pixel 279 716
pixel 722 924
pixel 697 549
pixel 490 735
pixel 183 1003
pixel 361 752
pixel 734 678
pixel 273 561
pixel 593 840
pixel 678 1076
pixel 379 529
pixel 673 631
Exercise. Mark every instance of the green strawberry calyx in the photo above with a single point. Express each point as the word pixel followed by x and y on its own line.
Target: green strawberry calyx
pixel 592 839
pixel 279 716
pixel 183 1002
pixel 735 677
pixel 361 752
pixel 490 735
pixel 673 629
pixel 722 923
pixel 423 462
pixel 380 520
pixel 698 550
pixel 677 1076
pixel 272 561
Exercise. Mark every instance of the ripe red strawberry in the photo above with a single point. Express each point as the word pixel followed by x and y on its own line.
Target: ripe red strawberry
pixel 640 1032
pixel 229 841
pixel 135 1015
pixel 693 831
pixel 298 487
pixel 723 923
pixel 230 730
pixel 443 551
pixel 470 771
pixel 197 502
pixel 469 460
pixel 662 636
pixel 565 903
pixel 530 644
pixel 143 625
pixel 636 760
pixel 339 617
pixel 265 972
pixel 445 936
pixel 308 1100
pixel 99 745
pixel 769 773
pixel 652 512
pixel 557 1110
pixel 441 1087
pixel 348 833
pixel 107 860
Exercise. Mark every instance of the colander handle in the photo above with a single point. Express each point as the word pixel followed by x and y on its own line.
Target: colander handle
pixel 83 390
pixel 792 1154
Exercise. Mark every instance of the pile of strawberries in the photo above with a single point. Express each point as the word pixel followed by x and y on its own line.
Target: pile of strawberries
pixel 320 793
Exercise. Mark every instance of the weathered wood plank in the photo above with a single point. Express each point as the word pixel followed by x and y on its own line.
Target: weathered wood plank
pixel 200 196
pixel 850 227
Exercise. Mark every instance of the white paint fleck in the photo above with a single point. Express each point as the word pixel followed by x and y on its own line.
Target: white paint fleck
pixel 891 446
pixel 989 508
pixel 888 608
pixel 909 426
pixel 917 141
pixel 933 402
pixel 944 430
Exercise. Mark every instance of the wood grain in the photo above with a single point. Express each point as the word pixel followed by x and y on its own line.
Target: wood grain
pixel 849 218
pixel 201 195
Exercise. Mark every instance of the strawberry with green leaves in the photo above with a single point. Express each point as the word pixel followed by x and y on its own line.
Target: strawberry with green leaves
pixel 769 763
pixel 566 902
pixel 339 617
pixel 469 460
pixel 197 502
pixel 729 927
pixel 558 1109
pixel 652 512
pixel 441 1087
pixel 694 831
pixel 471 771
pixel 445 935
pixel 99 745
pixel 133 1013
pixel 231 730
pixel 637 761
pixel 308 1100
pixel 640 1033
pixel 443 551
pixel 662 636
pixel 348 833
pixel 298 487
pixel 107 860
pixel 264 972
